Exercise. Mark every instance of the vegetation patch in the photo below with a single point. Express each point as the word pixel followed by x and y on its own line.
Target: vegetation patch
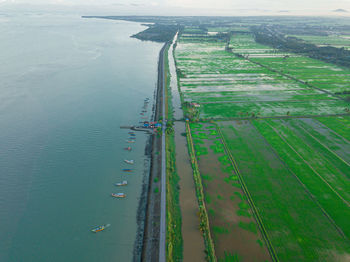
pixel 249 226
pixel 220 230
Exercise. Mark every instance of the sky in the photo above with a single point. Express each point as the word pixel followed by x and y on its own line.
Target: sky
pixel 192 7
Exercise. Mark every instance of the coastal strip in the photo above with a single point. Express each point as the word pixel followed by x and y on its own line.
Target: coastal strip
pixel 162 237
pixel 151 236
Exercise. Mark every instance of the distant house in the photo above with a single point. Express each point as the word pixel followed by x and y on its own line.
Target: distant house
pixel 195 105
pixel 147 124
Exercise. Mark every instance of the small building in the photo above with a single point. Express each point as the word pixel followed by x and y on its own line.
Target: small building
pixel 195 105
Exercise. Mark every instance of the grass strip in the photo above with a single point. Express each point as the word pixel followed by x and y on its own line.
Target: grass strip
pixel 203 215
pixel 174 241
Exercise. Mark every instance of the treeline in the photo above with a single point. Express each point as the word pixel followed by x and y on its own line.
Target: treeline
pixel 158 33
pixel 267 36
pixel 313 29
pixel 344 93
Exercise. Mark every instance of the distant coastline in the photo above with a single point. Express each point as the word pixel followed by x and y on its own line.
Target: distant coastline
pixel 155 32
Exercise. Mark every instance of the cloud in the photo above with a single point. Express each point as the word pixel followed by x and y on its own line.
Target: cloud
pixel 196 7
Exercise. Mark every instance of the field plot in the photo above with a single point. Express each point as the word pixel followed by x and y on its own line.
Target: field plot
pixel 298 225
pixel 234 231
pixel 281 186
pixel 285 108
pixel 245 44
pixel 341 125
pixel 338 41
pixel 227 86
pixel 322 75
pixel 322 171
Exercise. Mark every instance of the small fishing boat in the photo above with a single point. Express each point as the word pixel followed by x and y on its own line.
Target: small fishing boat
pixel 98 229
pixel 124 183
pixel 119 195
pixel 131 162
pixel 128 148
pixel 130 141
pixel 131 133
pixel 127 170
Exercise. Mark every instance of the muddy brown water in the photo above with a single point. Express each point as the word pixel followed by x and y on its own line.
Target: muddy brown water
pixel 223 211
pixel 193 243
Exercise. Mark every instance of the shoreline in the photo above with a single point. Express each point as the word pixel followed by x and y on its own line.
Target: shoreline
pixel 146 247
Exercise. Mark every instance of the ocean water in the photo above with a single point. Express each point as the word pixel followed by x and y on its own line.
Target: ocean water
pixel 66 86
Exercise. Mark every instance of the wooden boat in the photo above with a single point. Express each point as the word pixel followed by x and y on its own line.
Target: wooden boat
pixel 99 228
pixel 124 183
pixel 118 195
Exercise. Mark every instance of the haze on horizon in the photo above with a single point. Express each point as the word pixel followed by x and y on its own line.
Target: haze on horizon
pixel 188 7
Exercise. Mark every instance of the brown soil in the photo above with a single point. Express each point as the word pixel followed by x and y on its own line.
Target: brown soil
pixel 193 243
pixel 222 208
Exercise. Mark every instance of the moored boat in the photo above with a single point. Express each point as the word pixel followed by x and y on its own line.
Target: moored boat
pixel 98 229
pixel 119 195
pixel 124 183
pixel 128 148
pixel 127 170
pixel 130 141
pixel 131 162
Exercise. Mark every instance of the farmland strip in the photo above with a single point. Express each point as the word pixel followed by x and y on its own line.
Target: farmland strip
pixel 330 150
pixel 306 162
pixel 340 231
pixel 204 220
pixel 250 200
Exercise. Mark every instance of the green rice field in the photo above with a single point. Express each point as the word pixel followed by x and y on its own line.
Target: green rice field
pixel 263 82
pixel 273 145
pixel 301 227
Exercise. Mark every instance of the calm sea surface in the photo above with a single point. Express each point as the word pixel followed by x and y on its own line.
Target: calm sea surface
pixel 66 85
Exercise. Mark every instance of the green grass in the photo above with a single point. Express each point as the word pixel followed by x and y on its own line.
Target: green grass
pixel 203 212
pixel 251 110
pixel 220 230
pixel 174 242
pixel 207 198
pixel 306 171
pixel 340 125
pixel 230 257
pixel 249 226
pixel 297 228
